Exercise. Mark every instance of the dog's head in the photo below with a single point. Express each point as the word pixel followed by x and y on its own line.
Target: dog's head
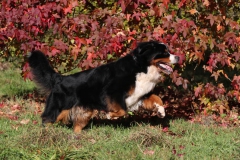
pixel 155 53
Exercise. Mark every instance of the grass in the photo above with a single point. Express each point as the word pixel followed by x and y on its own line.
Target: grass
pixel 23 137
pixel 140 141
pixel 11 81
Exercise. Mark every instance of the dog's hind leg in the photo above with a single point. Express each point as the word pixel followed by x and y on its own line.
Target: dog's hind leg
pixel 80 117
pixel 64 117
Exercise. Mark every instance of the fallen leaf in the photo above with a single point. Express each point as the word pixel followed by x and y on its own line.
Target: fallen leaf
pixel 180 155
pixel 12 117
pixel 174 150
pixel 24 121
pixel 1 105
pixel 165 129
pixel 149 152
pixel 92 141
pixel 16 107
pixel 35 122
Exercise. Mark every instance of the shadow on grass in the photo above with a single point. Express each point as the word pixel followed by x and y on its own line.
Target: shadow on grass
pixel 130 121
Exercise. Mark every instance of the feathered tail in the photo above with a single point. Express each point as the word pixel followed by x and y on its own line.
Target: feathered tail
pixel 43 73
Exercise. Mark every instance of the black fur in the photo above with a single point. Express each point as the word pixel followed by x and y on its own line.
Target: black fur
pixel 90 88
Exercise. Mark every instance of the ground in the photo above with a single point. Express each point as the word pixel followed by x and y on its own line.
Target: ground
pixel 185 133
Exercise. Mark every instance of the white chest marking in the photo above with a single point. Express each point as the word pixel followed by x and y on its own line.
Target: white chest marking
pixel 145 82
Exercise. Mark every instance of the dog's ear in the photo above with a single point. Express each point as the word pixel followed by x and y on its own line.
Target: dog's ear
pixel 143 47
pixel 147 50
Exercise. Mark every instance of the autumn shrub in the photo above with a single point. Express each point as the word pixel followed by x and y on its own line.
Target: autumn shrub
pixel 85 34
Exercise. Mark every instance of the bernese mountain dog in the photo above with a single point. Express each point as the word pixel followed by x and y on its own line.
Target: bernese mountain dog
pixel 116 87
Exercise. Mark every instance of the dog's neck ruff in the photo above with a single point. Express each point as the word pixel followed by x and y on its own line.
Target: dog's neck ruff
pixel 145 82
pixel 137 63
pixel 134 58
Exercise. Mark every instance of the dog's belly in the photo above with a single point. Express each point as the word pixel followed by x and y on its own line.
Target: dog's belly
pixel 145 82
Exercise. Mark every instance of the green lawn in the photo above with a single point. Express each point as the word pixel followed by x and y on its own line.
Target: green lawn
pixel 20 140
pixel 11 82
pixel 23 137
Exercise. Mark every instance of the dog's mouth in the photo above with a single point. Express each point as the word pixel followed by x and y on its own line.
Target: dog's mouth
pixel 165 68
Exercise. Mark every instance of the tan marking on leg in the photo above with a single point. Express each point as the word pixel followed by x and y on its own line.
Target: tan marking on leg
pixel 116 114
pixel 80 117
pixel 64 117
pixel 148 103
pixel 154 103
pixel 115 110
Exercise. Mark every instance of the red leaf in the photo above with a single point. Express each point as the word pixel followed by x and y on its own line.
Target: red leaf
pixel 168 17
pixel 75 52
pixel 53 52
pixel 182 3
pixel 89 41
pixel 27 75
pixel 179 81
pixel 174 76
pixel 123 5
pixel 166 2
pixel 1 105
pixel 211 18
pixel 197 90
pixel 80 41
pixel 12 117
pixel 90 56
pixel 60 44
pixel 206 3
pixel 74 3
pixel 94 25
pixel 68 9
pixel 149 152
pixel 193 11
pixel 174 37
pixel 185 82
pixel 16 107
pixel 87 64
pixel 165 129
pixel 215 75
pixel 174 150
pixel 128 16
pixel 137 16
pixel 35 122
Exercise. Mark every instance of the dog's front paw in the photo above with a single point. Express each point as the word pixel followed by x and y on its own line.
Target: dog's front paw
pixel 160 111
pixel 108 116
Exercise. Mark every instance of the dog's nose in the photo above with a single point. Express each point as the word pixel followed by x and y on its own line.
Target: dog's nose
pixel 177 58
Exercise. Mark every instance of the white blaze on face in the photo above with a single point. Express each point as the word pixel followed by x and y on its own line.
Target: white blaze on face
pixel 145 82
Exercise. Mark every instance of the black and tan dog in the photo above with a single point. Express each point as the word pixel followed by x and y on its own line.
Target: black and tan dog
pixel 116 87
